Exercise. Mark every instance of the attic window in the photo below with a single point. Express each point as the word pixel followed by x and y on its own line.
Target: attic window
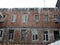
pixel 31 9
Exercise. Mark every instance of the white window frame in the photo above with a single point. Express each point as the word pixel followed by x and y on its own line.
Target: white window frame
pixel 45 19
pixel 38 17
pixel 13 18
pixel 45 36
pixel 23 18
pixel 34 32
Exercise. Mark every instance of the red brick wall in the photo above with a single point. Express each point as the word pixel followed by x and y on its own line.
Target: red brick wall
pixel 31 19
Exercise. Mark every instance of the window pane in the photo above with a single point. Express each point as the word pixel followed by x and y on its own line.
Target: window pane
pixel 55 18
pixel 23 35
pixel 46 32
pixel 34 34
pixel 33 37
pixel 11 33
pixel 0 33
pixel 36 18
pixel 36 37
pixel 3 16
pixel 47 37
pixel 24 18
pixel 13 18
pixel 44 37
pixel 46 18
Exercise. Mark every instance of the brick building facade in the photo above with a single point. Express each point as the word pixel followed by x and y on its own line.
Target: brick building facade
pixel 29 26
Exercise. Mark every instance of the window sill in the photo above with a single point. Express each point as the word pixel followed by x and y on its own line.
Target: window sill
pixel 10 40
pixel 45 41
pixel 35 40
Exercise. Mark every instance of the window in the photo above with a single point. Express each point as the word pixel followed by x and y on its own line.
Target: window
pixel 13 18
pixel 0 33
pixel 45 36
pixel 36 10
pixel 37 18
pixel 34 35
pixel 11 34
pixel 55 18
pixel 24 18
pixel 23 35
pixel 46 18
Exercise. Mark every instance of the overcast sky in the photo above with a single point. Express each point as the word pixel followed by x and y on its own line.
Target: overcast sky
pixel 27 3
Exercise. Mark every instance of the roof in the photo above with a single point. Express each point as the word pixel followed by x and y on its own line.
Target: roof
pixel 58 4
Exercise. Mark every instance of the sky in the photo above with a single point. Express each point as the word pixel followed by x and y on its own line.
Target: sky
pixel 27 3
